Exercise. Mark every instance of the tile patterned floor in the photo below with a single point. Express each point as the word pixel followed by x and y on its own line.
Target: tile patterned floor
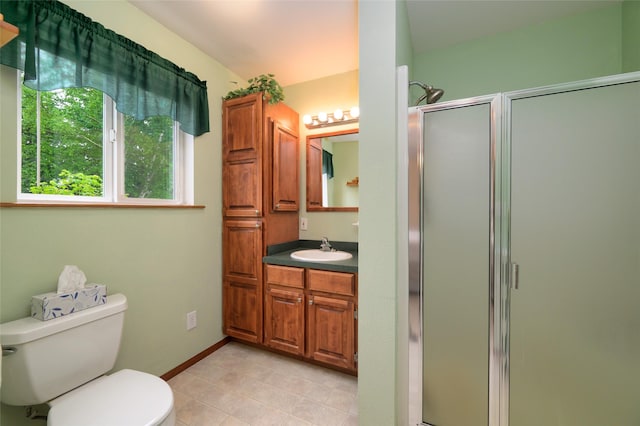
pixel 242 385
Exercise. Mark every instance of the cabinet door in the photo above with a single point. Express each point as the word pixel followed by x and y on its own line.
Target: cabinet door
pixel 284 320
pixel 331 326
pixel 242 157
pixel 242 271
pixel 285 174
pixel 242 130
pixel 314 173
pixel 242 188
pixel 241 311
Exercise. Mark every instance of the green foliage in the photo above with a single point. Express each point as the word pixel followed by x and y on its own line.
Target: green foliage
pixel 71 139
pixel 262 83
pixel 149 158
pixel 71 134
pixel 71 184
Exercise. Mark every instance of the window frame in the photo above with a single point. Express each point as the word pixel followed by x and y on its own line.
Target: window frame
pixel 113 143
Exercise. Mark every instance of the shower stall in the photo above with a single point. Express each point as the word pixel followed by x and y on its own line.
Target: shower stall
pixel 524 257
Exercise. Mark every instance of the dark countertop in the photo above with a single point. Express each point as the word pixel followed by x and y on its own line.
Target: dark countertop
pixel 280 254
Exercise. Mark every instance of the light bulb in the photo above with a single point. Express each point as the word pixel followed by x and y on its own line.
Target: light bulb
pixel 337 114
pixel 355 112
pixel 306 119
pixel 322 117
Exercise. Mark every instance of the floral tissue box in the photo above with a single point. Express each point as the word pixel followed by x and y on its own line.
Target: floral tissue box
pixel 53 305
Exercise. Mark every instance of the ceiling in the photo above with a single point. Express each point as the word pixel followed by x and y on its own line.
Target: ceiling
pixel 302 40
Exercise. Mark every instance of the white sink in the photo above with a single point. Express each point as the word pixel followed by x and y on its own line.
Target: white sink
pixel 316 255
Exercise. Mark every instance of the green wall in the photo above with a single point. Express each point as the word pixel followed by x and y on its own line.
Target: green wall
pixel 404 46
pixel 377 314
pixel 345 162
pixel 574 48
pixel 166 261
pixel 630 36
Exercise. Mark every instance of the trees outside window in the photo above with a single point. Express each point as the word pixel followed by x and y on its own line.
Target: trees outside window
pixel 75 144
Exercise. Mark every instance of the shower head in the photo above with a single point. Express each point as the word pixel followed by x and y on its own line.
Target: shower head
pixel 431 94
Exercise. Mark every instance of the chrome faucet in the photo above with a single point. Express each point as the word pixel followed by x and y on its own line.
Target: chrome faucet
pixel 325 245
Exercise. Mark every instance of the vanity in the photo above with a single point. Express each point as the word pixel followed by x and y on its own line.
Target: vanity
pixel 311 307
pixel 304 308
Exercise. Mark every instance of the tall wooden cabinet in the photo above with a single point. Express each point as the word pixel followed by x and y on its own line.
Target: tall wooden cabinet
pixel 260 201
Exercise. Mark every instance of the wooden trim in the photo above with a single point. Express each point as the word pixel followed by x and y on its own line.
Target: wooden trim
pixel 102 205
pixel 195 359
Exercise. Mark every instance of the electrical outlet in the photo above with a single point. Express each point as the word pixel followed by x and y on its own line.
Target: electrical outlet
pixel 303 223
pixel 192 320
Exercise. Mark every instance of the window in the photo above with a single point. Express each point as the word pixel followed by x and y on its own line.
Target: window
pixel 75 146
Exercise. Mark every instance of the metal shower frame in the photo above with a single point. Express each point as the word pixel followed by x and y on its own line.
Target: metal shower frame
pixel 499 239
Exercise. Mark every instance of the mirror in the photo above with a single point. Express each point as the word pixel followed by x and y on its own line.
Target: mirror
pixel 332 171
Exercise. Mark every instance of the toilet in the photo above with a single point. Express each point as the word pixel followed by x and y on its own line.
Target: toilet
pixel 63 362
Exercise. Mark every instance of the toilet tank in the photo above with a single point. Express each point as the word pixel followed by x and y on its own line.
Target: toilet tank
pixel 44 359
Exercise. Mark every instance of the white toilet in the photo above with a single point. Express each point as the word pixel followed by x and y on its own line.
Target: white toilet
pixel 63 361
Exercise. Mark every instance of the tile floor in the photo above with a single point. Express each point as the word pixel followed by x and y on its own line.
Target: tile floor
pixel 242 385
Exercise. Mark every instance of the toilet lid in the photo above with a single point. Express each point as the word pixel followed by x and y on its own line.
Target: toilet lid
pixel 125 398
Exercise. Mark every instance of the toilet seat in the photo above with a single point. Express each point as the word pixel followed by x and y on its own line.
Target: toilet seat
pixel 125 398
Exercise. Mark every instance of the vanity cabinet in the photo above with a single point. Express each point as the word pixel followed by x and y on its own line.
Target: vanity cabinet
pixel 331 317
pixel 284 309
pixel 260 202
pixel 312 313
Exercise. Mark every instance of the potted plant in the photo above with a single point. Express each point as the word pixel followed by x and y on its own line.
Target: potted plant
pixel 263 83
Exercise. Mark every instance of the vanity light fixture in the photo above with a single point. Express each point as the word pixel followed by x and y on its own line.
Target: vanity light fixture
pixel 338 117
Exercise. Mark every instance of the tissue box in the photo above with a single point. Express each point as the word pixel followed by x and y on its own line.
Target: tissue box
pixel 53 305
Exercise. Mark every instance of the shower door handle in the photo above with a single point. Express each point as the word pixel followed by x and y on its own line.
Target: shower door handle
pixel 515 276
pixel 8 350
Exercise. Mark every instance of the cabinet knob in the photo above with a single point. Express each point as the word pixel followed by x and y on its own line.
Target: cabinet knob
pixel 299 299
pixel 311 301
pixel 257 212
pixel 278 206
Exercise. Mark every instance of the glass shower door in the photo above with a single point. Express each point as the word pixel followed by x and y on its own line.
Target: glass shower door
pixel 456 259
pixel 575 233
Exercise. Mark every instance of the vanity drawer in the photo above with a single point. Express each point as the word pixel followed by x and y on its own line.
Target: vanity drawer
pixel 332 282
pixel 285 276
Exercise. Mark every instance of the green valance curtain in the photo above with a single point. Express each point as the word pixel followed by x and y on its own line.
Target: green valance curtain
pixel 59 47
